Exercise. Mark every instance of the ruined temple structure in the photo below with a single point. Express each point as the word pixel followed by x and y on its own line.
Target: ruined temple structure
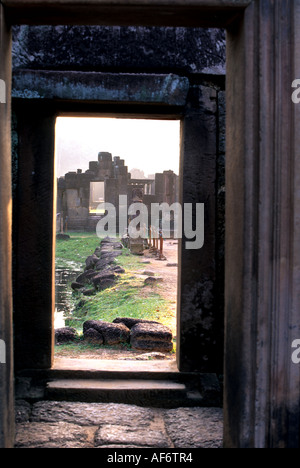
pixel 79 193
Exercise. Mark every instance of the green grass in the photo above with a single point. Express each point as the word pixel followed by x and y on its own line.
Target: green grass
pixel 75 250
pixel 81 347
pixel 129 298
pixel 130 262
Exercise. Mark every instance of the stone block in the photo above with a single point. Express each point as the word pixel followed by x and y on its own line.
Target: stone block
pixel 55 435
pixel 151 337
pixel 113 333
pixel 131 322
pixel 195 427
pixel 86 277
pixel 122 435
pixel 92 414
pixel 91 261
pixel 93 336
pixel 75 286
pixel 65 335
pixel 104 280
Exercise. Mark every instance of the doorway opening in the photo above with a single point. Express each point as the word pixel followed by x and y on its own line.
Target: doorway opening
pixel 116 288
pixel 97 196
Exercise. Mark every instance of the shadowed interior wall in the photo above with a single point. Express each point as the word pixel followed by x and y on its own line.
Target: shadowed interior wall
pixel 34 237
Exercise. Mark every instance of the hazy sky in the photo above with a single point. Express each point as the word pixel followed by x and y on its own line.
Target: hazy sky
pixel 149 145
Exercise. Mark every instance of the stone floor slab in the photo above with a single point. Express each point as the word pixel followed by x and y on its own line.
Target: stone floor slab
pixel 54 435
pixel 195 427
pixel 121 435
pixel 52 424
pixel 92 414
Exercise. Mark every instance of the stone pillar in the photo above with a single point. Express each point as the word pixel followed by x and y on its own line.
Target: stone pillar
pixel 262 385
pixel 34 294
pixel 6 334
pixel 197 315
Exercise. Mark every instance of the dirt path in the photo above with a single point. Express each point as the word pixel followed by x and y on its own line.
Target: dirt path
pixel 168 270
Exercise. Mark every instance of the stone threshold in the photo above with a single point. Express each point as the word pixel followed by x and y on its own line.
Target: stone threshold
pixel 115 365
pixel 153 383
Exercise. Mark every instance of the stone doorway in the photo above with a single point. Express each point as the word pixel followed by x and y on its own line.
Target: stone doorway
pixel 197 110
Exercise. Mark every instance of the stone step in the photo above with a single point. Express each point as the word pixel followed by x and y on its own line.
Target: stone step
pixel 152 393
pixel 65 368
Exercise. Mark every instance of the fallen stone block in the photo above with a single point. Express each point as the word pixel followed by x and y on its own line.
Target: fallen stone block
pixel 105 275
pixel 148 273
pixel 109 240
pixel 111 246
pixel 97 252
pixel 113 333
pixel 91 261
pixel 76 286
pixel 104 281
pixel 151 337
pixel 118 269
pixel 93 336
pixel 131 322
pixel 65 335
pixel 110 255
pixel 86 277
pixel 103 264
pixel 151 345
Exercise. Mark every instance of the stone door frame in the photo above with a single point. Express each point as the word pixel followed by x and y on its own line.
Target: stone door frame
pixel 262 385
pixel 196 107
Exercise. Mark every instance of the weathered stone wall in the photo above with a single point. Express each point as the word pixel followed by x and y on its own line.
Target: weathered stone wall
pixel 188 51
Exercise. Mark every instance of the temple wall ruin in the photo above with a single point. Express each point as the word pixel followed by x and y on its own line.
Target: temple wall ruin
pixel 76 211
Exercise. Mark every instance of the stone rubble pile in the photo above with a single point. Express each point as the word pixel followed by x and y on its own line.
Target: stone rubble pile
pixel 100 271
pixel 143 335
